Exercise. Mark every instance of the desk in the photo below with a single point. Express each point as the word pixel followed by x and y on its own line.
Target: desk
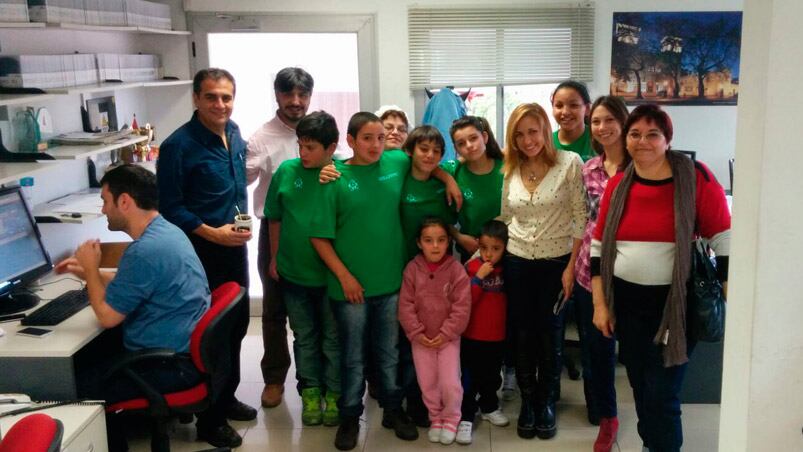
pixel 84 426
pixel 44 368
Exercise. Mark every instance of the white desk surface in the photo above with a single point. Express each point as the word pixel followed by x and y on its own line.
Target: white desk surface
pixel 67 338
pixel 74 418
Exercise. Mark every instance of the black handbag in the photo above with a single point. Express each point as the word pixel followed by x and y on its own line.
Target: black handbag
pixel 706 301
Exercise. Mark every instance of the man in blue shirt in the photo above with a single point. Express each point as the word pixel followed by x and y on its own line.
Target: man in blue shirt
pixel 157 306
pixel 201 179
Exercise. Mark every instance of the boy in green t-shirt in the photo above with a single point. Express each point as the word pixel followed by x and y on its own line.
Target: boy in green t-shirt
pixel 357 232
pixel 289 208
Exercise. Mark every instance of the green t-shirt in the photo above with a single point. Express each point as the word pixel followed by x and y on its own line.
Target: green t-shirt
pixel 291 199
pixel 581 146
pixel 360 214
pixel 421 199
pixel 482 196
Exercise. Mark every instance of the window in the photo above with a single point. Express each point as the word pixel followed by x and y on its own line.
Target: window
pixel 507 56
pixel 500 46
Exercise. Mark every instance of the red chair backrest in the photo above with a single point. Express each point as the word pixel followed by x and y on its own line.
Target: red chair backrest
pixel 223 300
pixel 33 433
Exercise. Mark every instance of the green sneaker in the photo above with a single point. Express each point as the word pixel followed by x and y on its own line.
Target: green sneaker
pixel 331 416
pixel 311 406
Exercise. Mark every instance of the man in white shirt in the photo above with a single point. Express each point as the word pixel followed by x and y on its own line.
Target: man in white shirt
pixel 268 147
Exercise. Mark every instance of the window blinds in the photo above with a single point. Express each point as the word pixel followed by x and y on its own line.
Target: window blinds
pixel 500 46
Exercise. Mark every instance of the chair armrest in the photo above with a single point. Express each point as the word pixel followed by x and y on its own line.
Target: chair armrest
pixel 157 403
pixel 127 359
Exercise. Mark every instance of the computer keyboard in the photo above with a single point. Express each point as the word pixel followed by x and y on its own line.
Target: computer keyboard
pixel 59 309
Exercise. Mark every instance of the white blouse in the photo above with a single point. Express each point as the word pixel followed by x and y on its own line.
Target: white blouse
pixel 544 223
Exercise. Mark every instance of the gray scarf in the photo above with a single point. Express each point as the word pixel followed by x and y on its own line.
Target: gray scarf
pixel 672 331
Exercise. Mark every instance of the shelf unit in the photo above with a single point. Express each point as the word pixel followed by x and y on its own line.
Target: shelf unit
pixel 12 172
pixel 69 152
pixel 22 25
pixel 124 29
pixel 51 93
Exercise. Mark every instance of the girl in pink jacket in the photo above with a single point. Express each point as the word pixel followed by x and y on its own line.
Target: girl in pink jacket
pixel 434 308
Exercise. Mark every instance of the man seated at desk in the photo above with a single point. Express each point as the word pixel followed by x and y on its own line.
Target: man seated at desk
pixel 158 293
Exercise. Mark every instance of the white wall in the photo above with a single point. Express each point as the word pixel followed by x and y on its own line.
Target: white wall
pixel 763 366
pixel 709 130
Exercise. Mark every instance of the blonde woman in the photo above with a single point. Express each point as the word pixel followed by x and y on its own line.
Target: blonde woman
pixel 543 204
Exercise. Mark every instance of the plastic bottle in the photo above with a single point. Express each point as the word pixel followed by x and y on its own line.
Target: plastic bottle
pixel 134 124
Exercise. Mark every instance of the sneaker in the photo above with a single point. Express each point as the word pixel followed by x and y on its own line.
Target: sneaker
pixel 272 395
pixel 509 384
pixel 238 411
pixel 464 432
pixel 331 415
pixel 347 433
pixel 400 423
pixel 311 413
pixel 448 434
pixel 497 418
pixel 220 436
pixel 434 433
pixel 608 426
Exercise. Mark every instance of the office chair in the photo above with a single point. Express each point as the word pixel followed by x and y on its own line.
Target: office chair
pixel 209 350
pixel 33 433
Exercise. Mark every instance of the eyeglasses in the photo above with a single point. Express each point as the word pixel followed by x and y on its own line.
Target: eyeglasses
pixel 390 127
pixel 650 136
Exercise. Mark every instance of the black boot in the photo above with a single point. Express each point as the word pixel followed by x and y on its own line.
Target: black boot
pixel 546 425
pixel 527 418
pixel 347 433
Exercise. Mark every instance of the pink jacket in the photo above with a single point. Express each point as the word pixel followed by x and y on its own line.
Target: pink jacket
pixel 437 302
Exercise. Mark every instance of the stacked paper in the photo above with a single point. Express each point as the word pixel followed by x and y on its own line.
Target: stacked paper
pixel 105 12
pixel 57 11
pixel 13 11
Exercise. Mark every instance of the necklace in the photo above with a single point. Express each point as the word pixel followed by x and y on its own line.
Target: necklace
pixel 532 176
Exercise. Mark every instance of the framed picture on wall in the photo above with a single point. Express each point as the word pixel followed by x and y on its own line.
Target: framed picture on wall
pixel 676 58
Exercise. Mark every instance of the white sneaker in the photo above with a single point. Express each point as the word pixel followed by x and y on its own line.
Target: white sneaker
pixel 509 384
pixel 447 436
pixel 464 433
pixel 497 418
pixel 434 433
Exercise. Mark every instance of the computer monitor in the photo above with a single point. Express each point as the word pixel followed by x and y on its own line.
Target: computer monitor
pixel 23 257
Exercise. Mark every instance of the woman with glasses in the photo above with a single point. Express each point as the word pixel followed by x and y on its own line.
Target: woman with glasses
pixel 396 125
pixel 543 204
pixel 641 257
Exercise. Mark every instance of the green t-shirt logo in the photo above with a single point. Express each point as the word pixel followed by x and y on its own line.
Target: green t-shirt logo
pixel 388 176
pixel 353 185
pixel 410 198
pixel 468 194
pixel 299 184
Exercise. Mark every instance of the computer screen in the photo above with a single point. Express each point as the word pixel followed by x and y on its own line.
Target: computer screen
pixel 23 257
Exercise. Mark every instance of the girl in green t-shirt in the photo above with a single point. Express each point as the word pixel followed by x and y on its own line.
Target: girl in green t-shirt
pixel 394 121
pixel 479 176
pixel 423 195
pixel 571 106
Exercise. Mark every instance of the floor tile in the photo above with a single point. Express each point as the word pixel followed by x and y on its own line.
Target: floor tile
pixel 280 428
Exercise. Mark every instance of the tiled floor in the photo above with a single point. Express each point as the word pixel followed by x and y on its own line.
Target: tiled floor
pixel 280 429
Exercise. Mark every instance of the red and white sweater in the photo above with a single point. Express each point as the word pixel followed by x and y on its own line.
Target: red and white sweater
pixel 645 240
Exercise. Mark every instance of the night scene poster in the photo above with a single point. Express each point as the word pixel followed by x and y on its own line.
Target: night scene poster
pixel 676 58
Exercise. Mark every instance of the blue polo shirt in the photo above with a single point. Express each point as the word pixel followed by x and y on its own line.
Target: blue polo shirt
pixel 161 288
pixel 200 181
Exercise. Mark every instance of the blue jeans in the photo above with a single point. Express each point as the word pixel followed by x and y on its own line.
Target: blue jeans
pixel 315 343
pixel 598 355
pixel 375 321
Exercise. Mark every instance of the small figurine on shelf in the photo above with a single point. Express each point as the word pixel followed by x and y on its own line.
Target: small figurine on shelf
pixel 134 124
